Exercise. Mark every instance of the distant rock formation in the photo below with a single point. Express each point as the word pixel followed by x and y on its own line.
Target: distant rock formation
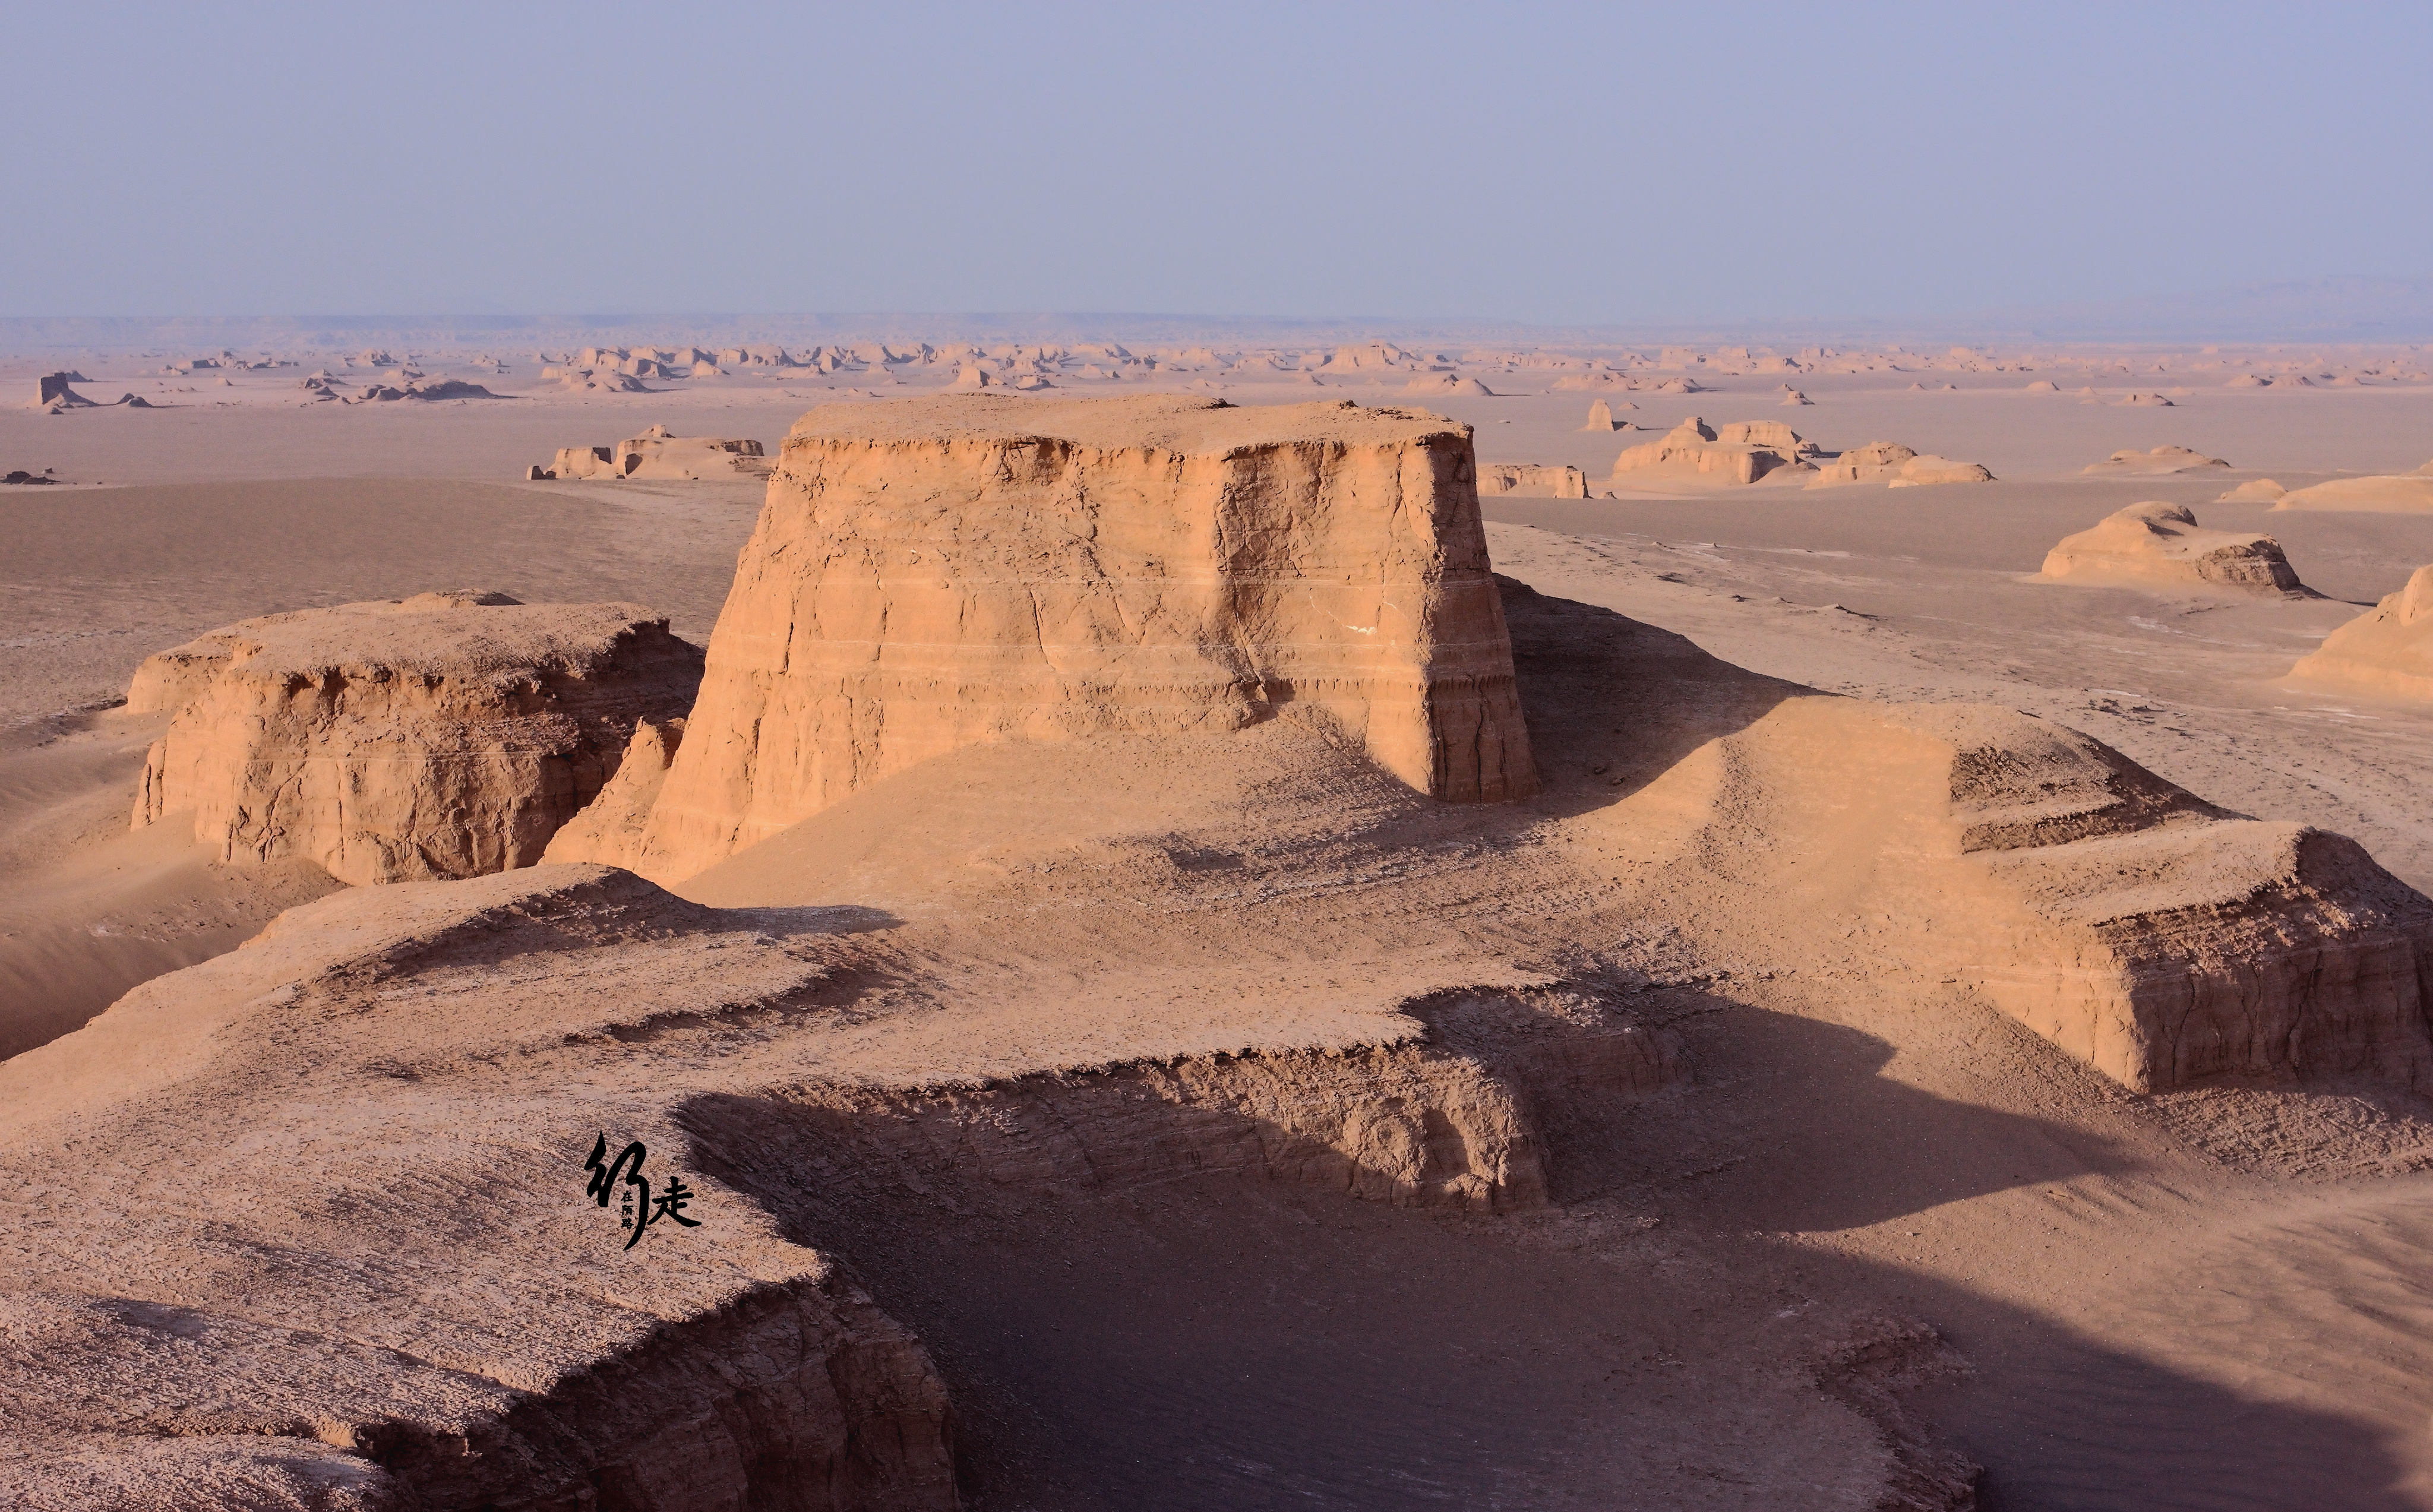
pixel 2155 544
pixel 2386 651
pixel 2163 459
pixel 1695 451
pixel 2253 491
pixel 1601 420
pixel 661 454
pixel 2395 493
pixel 322 388
pixel 1081 566
pixel 1927 469
pixel 1876 462
pixel 1531 480
pixel 1448 384
pixel 444 735
pixel 53 389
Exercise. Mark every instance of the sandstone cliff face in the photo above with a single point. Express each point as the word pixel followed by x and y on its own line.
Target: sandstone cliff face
pixel 2161 545
pixel 608 829
pixel 934 574
pixel 2386 651
pixel 446 736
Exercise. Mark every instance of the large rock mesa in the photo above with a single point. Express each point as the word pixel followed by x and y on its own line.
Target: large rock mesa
pixel 933 574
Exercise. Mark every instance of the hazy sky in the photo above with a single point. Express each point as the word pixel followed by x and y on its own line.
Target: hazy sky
pixel 1565 164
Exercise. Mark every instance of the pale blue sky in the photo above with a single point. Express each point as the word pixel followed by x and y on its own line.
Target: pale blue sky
pixel 1565 164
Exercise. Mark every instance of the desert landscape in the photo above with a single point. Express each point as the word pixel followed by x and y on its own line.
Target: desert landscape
pixel 1253 758
pixel 1215 926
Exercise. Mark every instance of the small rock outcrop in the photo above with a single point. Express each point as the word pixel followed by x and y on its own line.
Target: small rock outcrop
pixel 444 735
pixel 2386 651
pixel 659 453
pixel 2160 545
pixel 1927 469
pixel 2163 459
pixel 938 573
pixel 2253 491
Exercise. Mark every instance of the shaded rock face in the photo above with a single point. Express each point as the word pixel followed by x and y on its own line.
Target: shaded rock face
pixel 938 573
pixel 446 736
pixel 2161 545
pixel 2387 650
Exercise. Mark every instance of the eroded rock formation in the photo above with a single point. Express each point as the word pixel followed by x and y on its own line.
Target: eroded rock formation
pixel 657 453
pixel 1532 480
pixel 2156 544
pixel 2387 650
pixel 448 735
pixel 1695 451
pixel 934 574
pixel 2122 918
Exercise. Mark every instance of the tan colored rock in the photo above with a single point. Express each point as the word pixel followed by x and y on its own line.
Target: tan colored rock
pixel 2386 651
pixel 659 453
pixel 933 574
pixel 2162 459
pixel 608 829
pixel 1600 418
pixel 1876 462
pixel 1531 480
pixel 2253 491
pixel 2155 544
pixel 2398 493
pixel 1926 470
pixel 2133 925
pixel 445 736
pixel 1696 452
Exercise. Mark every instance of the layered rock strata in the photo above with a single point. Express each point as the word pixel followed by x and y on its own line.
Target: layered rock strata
pixel 2386 651
pixel 444 735
pixel 933 574
pixel 2161 545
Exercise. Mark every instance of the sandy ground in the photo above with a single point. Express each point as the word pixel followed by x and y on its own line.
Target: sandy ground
pixel 2204 1299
